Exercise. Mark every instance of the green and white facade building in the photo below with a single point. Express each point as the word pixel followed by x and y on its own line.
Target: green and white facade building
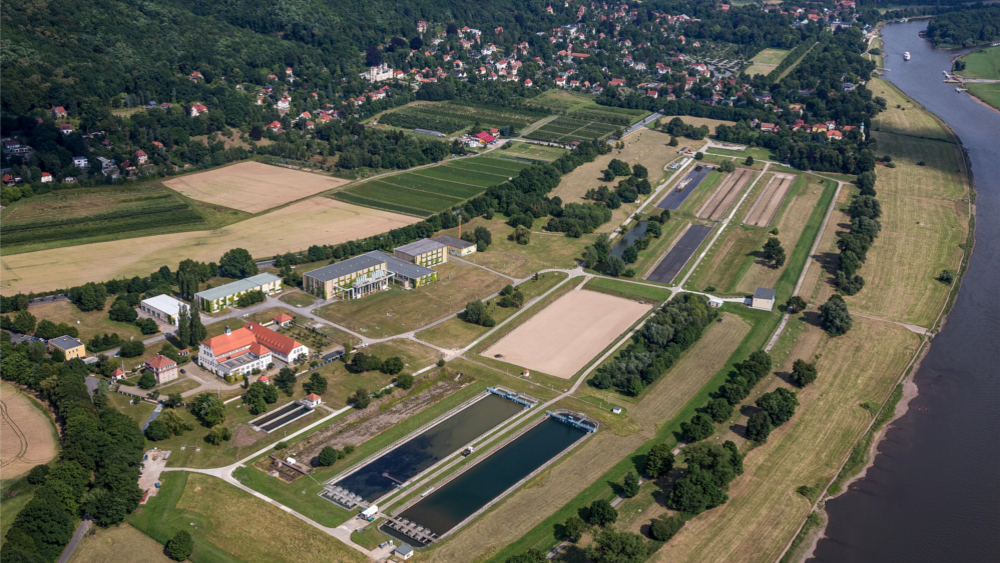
pixel 363 275
pixel 225 296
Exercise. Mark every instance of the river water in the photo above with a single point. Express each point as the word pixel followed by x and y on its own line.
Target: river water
pixel 933 493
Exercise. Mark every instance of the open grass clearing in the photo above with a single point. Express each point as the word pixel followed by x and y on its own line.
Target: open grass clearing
pixel 907 119
pixel 298 299
pixel 318 220
pixel 252 186
pixel 398 310
pixel 560 101
pixel 343 383
pixel 221 510
pixel 87 323
pixel 456 333
pixel 982 63
pixel 635 291
pixel 562 338
pixel 771 56
pixel 696 122
pixel 545 250
pixel 28 436
pixel 989 93
pixel 764 511
pixel 119 544
pixel 762 69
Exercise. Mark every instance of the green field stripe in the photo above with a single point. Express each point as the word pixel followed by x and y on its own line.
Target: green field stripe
pixel 433 185
pixel 365 202
pixel 407 197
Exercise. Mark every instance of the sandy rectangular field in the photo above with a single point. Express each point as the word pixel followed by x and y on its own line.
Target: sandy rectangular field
pixel 319 220
pixel 565 336
pixel 252 186
pixel 724 196
pixel 770 199
pixel 27 436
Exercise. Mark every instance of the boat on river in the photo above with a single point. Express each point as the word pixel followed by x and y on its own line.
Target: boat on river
pixel 906 56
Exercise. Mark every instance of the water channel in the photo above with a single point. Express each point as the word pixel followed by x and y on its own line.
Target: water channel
pixel 401 464
pixel 461 497
pixel 933 493
pixel 633 235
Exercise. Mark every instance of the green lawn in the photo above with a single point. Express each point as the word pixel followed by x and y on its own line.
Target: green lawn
pixel 989 93
pixel 982 63
pixel 771 56
pixel 633 291
pixel 298 299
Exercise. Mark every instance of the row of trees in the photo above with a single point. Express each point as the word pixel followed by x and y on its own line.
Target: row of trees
pixel 655 348
pixel 865 211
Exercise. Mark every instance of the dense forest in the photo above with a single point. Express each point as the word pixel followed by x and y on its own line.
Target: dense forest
pixel 965 28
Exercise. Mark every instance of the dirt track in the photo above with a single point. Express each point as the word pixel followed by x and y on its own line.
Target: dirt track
pixel 767 204
pixel 719 203
pixel 564 336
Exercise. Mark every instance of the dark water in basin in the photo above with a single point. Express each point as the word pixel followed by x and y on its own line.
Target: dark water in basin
pixel 426 449
pixel 458 499
pixel 629 238
pixel 933 495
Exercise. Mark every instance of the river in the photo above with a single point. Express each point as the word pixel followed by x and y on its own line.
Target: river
pixel 933 493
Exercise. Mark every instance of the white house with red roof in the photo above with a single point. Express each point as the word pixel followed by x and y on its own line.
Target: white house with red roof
pixel 66 128
pixel 58 112
pixel 198 109
pixel 46 177
pixel 312 400
pixel 140 156
pixel 163 368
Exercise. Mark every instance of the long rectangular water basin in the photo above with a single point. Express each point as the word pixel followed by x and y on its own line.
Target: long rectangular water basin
pixel 404 462
pixel 463 496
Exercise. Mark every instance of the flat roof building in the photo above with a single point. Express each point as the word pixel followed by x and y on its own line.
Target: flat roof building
pixel 71 347
pixel 350 279
pixel 456 246
pixel 163 308
pixel 405 273
pixel 424 252
pixel 763 298
pixel 225 296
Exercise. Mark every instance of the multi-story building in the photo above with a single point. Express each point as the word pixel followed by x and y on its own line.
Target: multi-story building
pixel 424 252
pixel 162 308
pixel 71 347
pixel 225 296
pixel 236 353
pixel 456 246
pixel 163 368
pixel 365 274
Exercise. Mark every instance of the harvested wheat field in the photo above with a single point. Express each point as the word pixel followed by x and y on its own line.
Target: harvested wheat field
pixel 314 221
pixel 565 336
pixel 252 186
pixel 27 435
pixel 769 200
pixel 726 194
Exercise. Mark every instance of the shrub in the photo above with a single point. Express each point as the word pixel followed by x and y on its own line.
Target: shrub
pixel 281 445
pixel 37 474
pixel 157 430
pixel 327 456
pixel 132 348
pixel 219 434
pixel 662 529
pixel 147 381
pixel 180 546
pixel 392 366
pixel 404 381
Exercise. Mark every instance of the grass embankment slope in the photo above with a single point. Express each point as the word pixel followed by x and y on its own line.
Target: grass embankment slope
pixel 925 215
pixel 232 525
pixel 984 63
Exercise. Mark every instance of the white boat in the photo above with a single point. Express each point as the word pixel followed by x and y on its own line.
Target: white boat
pixel 906 56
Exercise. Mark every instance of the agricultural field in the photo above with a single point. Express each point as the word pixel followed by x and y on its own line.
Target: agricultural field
pixel 982 63
pixel 397 310
pixel 646 147
pixel 564 130
pixel 770 56
pixel 78 216
pixel 119 544
pixel 432 189
pixel 925 217
pixel 456 333
pixel 318 220
pixel 520 150
pixel 221 532
pixel 563 337
pixel 252 186
pixel 561 101
pixel 764 511
pixel 450 117
pixel 27 435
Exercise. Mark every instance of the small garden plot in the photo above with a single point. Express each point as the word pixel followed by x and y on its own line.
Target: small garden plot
pixel 611 116
pixel 565 336
pixel 450 117
pixel 567 129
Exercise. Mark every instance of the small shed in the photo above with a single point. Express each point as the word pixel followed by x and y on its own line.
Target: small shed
pixel 714 302
pixel 370 512
pixel 404 552
pixel 312 400
pixel 763 299
pixel 282 319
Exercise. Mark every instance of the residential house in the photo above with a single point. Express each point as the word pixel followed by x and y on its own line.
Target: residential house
pixel 58 112
pixel 71 347
pixel 163 368
pixel 65 128
pixel 46 177
pixel 140 157
pixel 198 109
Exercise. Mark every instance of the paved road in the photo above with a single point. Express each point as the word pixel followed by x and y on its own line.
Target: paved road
pixel 652 117
pixel 77 536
